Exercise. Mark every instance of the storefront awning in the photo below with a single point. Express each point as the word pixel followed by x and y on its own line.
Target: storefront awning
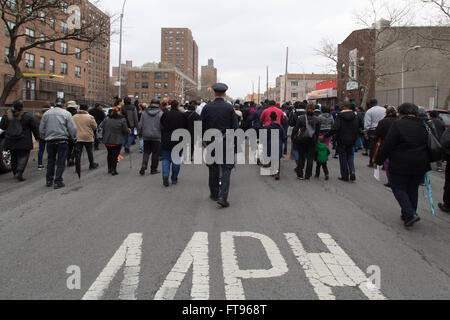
pixel 322 94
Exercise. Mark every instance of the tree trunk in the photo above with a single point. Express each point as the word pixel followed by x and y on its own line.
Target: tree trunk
pixel 8 88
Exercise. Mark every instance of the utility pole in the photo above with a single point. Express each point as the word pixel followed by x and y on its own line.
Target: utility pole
pixel 259 89
pixel 267 83
pixel 253 91
pixel 286 75
pixel 120 51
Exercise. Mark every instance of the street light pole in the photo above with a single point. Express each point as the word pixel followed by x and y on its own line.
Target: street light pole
pixel 120 50
pixel 403 70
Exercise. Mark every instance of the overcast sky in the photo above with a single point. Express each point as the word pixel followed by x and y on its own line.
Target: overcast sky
pixel 242 36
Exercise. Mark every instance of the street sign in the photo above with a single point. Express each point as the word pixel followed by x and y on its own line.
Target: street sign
pixel 352 85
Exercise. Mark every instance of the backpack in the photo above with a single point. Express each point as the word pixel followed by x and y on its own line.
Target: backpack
pixel 306 134
pixel 15 129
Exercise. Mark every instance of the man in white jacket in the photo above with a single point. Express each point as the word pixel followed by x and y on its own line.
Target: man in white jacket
pixel 373 116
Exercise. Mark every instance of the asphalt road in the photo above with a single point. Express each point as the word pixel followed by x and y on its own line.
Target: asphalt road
pixel 129 237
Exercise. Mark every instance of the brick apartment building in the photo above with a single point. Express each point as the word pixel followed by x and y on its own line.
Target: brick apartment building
pixel 179 49
pixel 146 83
pixel 75 73
pixel 426 80
pixel 208 79
pixel 127 66
pixel 298 85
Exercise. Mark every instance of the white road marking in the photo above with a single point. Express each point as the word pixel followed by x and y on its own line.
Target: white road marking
pixel 334 269
pixel 233 275
pixel 129 256
pixel 196 254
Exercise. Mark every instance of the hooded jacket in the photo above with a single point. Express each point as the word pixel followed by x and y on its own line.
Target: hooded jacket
pixel 28 126
pixel 326 121
pixel 346 128
pixel 57 125
pixel 114 130
pixel 150 124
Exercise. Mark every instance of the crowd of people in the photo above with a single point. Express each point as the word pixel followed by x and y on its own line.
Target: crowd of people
pixel 396 139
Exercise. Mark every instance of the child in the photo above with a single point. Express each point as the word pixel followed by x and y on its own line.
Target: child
pixel 282 134
pixel 322 152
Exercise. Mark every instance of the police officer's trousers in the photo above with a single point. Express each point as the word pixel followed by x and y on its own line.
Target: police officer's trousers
pixel 220 173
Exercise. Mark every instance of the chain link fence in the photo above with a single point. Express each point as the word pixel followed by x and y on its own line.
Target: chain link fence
pixel 429 97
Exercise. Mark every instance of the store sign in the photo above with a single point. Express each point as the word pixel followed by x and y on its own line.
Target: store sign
pixel 352 85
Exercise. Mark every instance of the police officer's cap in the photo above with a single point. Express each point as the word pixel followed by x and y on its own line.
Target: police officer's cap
pixel 220 87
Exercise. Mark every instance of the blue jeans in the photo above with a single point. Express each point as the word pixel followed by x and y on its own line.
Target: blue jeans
pixel 57 156
pixel 41 151
pixel 296 153
pixel 129 138
pixel 167 163
pixel 141 144
pixel 346 160
pixel 219 180
pixel 359 143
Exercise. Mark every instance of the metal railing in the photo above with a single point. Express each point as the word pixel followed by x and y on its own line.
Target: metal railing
pixel 429 97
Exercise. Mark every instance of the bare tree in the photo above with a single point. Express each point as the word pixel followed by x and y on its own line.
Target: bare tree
pixel 443 6
pixel 21 16
pixel 380 21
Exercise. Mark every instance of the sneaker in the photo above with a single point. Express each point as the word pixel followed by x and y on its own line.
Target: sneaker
pixel 440 170
pixel 223 203
pixel 444 208
pixel 94 166
pixel 342 179
pixel 40 167
pixel 114 173
pixel 59 185
pixel 153 172
pixel 387 185
pixel 353 177
pixel 277 177
pixel 327 178
pixel 142 172
pixel 411 221
pixel 174 182
pixel 49 184
pixel 166 181
pixel 317 176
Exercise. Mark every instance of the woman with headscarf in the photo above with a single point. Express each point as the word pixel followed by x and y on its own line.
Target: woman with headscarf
pixel 381 132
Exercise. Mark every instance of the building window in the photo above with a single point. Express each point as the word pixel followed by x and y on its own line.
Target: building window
pixel 145 96
pixel 294 83
pixel 42 38
pixel 294 95
pixel 64 48
pixel 361 66
pixel 52 45
pixel 63 68
pixel 42 17
pixel 158 95
pixel 342 71
pixel 136 95
pixel 136 75
pixel 158 85
pixel 11 25
pixel 6 55
pixel 29 60
pixel 144 85
pixel 166 85
pixel 78 72
pixel 29 35
pixel 42 64
pixel 157 75
pixel 52 66
pixel 137 85
pixel 52 23
pixel 78 53
pixel 144 75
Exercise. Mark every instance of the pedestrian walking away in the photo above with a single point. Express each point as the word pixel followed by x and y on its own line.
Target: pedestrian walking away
pixel 274 126
pixel 57 128
pixel 346 129
pixel 322 153
pixel 381 132
pixel 406 146
pixel 150 130
pixel 219 115
pixel 371 119
pixel 19 126
pixel 114 129
pixel 99 116
pixel 305 135
pixel 86 128
pixel 130 113
pixel 171 121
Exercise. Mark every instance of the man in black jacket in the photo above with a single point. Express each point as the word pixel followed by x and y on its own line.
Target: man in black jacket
pixel 439 125
pixel 346 128
pixel 130 113
pixel 99 116
pixel 19 126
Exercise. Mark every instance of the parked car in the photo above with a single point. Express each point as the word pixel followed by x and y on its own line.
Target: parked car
pixel 5 156
pixel 445 116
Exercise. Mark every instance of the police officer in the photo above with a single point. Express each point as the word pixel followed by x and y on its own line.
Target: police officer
pixel 219 115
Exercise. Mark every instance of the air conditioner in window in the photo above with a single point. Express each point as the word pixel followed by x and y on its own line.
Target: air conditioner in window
pixel 28 65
